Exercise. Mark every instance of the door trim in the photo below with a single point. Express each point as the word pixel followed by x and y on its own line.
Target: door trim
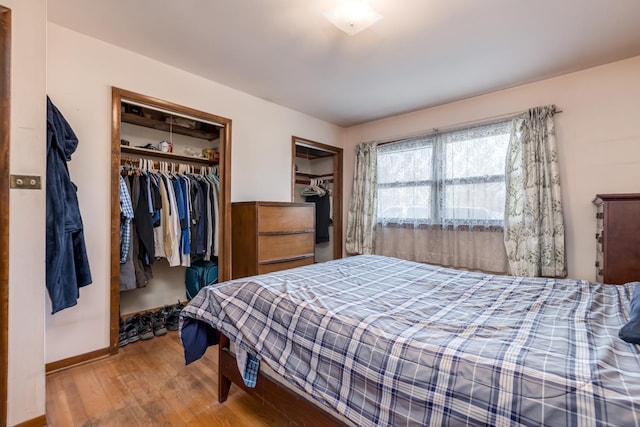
pixel 337 154
pixel 5 129
pixel 224 248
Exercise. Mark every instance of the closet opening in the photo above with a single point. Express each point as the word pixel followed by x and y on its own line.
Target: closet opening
pixel 5 126
pixel 170 189
pixel 317 177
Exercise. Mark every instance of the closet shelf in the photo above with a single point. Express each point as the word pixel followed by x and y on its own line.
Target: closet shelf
pixel 310 153
pixel 161 125
pixel 170 156
pixel 305 178
pixel 326 176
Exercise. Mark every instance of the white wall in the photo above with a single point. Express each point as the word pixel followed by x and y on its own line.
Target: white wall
pixel 26 395
pixel 598 136
pixel 80 73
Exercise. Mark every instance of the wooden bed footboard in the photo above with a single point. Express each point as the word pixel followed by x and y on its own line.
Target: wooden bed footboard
pixel 296 409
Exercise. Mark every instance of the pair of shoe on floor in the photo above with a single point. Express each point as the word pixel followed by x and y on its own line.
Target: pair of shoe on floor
pixel 147 325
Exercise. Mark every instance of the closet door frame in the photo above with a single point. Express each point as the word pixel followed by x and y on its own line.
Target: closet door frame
pixel 224 168
pixel 336 153
pixel 5 128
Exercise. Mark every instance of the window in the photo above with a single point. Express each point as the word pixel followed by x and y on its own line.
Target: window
pixel 449 179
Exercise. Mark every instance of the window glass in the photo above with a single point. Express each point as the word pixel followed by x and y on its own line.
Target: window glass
pixel 476 157
pixel 451 178
pixel 405 202
pixel 479 201
pixel 405 163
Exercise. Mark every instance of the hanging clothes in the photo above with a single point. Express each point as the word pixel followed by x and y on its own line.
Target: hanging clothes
pixel 67 264
pixel 126 215
pixel 158 222
pixel 194 215
pixel 171 223
pixel 176 216
pixel 144 223
pixel 183 216
pixel 216 213
pixel 202 219
pixel 323 215
pixel 142 272
pixel 127 269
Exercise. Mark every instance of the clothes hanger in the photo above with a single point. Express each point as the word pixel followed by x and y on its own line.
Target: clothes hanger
pixel 313 189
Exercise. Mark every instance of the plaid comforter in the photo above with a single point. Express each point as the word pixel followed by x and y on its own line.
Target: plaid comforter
pixel 390 342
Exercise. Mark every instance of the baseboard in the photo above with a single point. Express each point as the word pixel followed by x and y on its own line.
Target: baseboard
pixel 76 360
pixel 40 421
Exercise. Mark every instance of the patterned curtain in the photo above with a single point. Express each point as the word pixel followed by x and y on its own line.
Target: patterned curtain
pixel 533 223
pixel 361 218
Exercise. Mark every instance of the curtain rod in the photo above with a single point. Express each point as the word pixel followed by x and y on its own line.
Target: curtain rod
pixel 433 131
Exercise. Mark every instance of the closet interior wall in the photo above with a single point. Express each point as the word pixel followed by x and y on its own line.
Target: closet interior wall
pixel 323 163
pixel 199 142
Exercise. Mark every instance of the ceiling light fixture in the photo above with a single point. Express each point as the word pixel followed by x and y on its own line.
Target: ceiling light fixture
pixel 352 16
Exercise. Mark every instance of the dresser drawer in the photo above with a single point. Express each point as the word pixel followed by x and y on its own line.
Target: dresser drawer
pixel 272 247
pixel 271 236
pixel 285 218
pixel 283 265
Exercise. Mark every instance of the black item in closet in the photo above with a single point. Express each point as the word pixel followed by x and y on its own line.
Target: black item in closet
pixel 323 217
pixel 144 224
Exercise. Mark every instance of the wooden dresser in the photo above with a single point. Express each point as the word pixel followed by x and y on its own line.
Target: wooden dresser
pixel 271 236
pixel 618 238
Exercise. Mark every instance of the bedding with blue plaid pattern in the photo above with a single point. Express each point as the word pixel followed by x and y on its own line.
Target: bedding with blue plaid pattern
pixel 385 341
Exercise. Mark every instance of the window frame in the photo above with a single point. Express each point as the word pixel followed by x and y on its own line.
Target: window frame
pixel 438 189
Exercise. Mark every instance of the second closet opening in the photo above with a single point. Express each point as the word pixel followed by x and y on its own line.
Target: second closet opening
pixel 317 178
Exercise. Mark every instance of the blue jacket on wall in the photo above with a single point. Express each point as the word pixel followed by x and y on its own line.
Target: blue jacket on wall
pixel 67 267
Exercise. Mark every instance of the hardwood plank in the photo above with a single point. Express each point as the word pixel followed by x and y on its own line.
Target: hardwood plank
pixel 147 383
pixel 223 417
pixel 91 391
pixel 57 405
pixel 259 415
pixel 74 400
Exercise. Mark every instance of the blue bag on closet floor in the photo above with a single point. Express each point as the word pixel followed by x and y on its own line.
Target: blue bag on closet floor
pixel 199 275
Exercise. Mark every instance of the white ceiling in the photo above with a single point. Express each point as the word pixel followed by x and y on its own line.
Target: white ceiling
pixel 422 53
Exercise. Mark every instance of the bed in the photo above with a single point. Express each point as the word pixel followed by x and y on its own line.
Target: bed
pixel 371 340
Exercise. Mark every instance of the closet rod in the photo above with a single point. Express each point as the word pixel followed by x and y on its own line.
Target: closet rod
pixel 328 176
pixel 308 180
pixel 134 162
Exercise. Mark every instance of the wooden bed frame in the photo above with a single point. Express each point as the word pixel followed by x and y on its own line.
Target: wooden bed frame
pixel 296 409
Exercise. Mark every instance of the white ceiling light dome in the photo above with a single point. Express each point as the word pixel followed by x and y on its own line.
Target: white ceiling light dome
pixel 353 16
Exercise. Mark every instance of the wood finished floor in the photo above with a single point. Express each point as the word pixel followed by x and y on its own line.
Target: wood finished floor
pixel 147 384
